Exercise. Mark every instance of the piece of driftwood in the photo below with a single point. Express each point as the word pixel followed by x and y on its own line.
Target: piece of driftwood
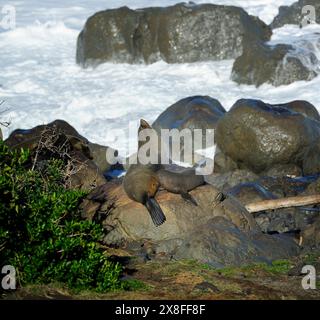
pixel 283 203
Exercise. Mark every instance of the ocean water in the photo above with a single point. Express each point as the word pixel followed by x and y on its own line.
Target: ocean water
pixel 40 82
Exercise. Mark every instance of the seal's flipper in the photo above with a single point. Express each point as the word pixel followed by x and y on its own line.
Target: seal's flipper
pixel 155 211
pixel 188 197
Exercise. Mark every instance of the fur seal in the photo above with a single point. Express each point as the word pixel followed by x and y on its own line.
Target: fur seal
pixel 180 182
pixel 142 182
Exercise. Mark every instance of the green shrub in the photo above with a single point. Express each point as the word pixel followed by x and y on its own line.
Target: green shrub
pixel 41 232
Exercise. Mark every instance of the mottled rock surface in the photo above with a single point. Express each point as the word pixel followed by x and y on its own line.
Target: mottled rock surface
pixel 258 136
pixel 217 231
pixel 279 64
pixel 176 34
pixel 293 14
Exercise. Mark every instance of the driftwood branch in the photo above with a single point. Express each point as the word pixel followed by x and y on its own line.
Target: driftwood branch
pixel 283 203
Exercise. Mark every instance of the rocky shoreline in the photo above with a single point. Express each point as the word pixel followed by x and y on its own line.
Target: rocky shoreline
pixel 264 152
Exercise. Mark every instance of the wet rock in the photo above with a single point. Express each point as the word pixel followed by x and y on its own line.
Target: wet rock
pixel 279 64
pixel 269 221
pixel 59 140
pixel 223 163
pixel 176 34
pixel 293 14
pixel 225 181
pixel 221 243
pixel 258 136
pixel 197 112
pixel 250 192
pixel 311 161
pixel 311 236
pixel 302 106
pixel 287 186
pixel 283 170
pixel 313 187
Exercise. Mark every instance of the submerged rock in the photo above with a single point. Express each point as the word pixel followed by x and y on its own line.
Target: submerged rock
pixel 293 14
pixel 258 136
pixel 279 64
pixel 176 34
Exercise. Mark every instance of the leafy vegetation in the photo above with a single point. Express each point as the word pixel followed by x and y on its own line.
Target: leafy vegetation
pixel 41 231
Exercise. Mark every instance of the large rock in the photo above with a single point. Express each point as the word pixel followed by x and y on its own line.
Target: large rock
pixel 197 112
pixel 258 136
pixel 59 140
pixel 293 14
pixel 220 243
pixel 217 231
pixel 279 64
pixel 175 34
pixel 130 220
pixel 304 107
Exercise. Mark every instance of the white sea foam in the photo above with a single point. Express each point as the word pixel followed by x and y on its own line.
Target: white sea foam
pixel 40 81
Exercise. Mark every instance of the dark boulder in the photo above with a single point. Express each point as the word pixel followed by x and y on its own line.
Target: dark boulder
pixel 225 181
pixel 59 140
pixel 175 34
pixel 258 136
pixel 279 64
pixel 293 14
pixel 220 243
pixel 29 138
pixel 196 112
pixel 304 107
